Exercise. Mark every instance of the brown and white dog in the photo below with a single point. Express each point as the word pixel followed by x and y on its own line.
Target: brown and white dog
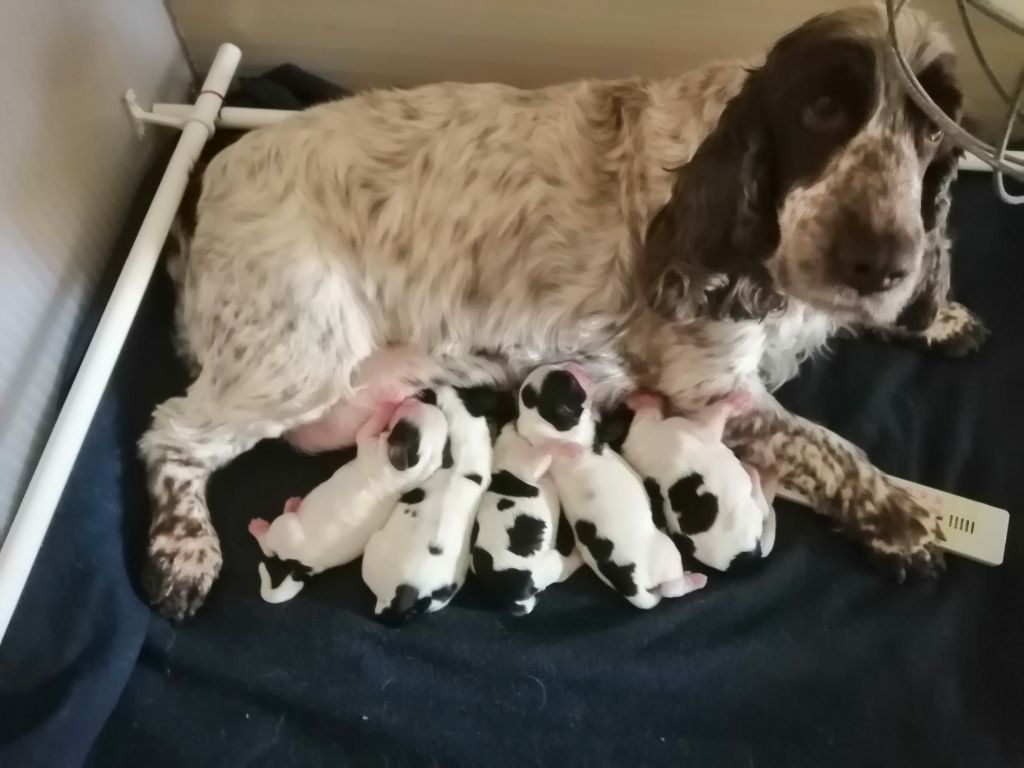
pixel 694 235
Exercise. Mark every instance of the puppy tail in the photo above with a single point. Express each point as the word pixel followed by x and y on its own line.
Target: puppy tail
pixel 290 585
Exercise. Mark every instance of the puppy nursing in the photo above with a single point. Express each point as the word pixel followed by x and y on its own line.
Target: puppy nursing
pixel 514 552
pixel 418 560
pixel 332 524
pixel 714 506
pixel 603 497
pixel 426 498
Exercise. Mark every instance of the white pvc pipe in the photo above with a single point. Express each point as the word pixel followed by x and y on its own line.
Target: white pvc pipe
pixel 971 163
pixel 247 118
pixel 36 510
pixel 244 118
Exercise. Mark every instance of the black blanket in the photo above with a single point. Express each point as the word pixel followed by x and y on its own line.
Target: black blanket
pixel 816 659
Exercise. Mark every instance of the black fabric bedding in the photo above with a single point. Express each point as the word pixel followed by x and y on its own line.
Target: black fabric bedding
pixel 815 659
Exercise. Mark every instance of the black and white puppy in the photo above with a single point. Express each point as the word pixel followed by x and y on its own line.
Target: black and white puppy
pixel 397 450
pixel 418 560
pixel 602 496
pixel 714 507
pixel 514 553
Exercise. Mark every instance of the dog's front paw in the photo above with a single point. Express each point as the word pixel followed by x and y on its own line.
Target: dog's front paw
pixel 902 534
pixel 180 569
pixel 956 331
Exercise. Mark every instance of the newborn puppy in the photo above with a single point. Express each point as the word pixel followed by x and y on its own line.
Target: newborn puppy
pixel 418 560
pixel 714 506
pixel 333 523
pixel 514 553
pixel 602 496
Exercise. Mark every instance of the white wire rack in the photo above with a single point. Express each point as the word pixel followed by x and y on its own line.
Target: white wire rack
pixel 1002 162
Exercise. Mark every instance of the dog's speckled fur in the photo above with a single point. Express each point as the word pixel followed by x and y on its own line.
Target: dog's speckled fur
pixel 663 232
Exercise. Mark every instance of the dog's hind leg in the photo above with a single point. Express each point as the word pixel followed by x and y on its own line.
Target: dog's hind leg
pixel 257 381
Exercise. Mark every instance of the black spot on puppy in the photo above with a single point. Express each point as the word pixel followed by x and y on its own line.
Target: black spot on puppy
pixel 479 401
pixel 746 560
pixel 401 606
pixel 684 544
pixel 434 549
pixel 428 396
pixel 506 587
pixel 422 605
pixel 526 535
pixel 613 427
pixel 561 400
pixel 601 549
pixel 475 478
pixel 446 457
pixel 404 445
pixel 695 509
pixel 565 541
pixel 657 503
pixel 445 593
pixel 504 504
pixel 504 483
pixel 505 410
pixel 279 570
pixel 529 397
pixel 415 496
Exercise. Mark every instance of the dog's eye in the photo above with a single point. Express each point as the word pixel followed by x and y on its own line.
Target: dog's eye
pixel 933 134
pixel 825 113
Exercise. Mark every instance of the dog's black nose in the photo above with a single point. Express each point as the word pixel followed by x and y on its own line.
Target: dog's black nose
pixel 870 261
pixel 872 269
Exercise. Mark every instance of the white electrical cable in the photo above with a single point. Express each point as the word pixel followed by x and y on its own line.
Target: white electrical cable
pixel 1008 164
pixel 36 510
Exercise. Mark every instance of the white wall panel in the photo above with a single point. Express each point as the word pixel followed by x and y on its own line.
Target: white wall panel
pixel 69 166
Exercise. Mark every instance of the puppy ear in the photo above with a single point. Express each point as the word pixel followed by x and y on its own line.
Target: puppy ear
pixel 705 249
pixel 404 446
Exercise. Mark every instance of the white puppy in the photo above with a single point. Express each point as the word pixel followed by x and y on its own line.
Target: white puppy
pixel 602 496
pixel 332 524
pixel 714 506
pixel 514 552
pixel 418 560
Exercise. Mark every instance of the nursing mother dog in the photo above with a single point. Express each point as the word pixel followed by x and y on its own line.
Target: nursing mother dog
pixel 694 235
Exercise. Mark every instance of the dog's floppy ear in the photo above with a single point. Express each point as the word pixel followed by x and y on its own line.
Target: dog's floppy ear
pixel 404 446
pixel 705 249
pixel 933 289
pixel 939 80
